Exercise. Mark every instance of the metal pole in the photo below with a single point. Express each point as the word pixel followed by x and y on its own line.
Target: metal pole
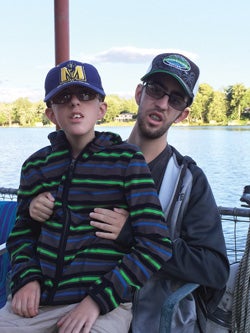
pixel 61 16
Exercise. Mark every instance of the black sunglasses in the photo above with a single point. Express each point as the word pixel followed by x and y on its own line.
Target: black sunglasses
pixel 82 94
pixel 176 101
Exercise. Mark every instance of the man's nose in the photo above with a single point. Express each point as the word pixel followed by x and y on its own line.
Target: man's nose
pixel 163 102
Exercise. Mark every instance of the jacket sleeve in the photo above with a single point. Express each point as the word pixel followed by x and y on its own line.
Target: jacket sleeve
pixel 199 254
pixel 125 237
pixel 22 242
pixel 21 245
pixel 152 245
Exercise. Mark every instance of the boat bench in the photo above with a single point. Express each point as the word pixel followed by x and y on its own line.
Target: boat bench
pixel 7 220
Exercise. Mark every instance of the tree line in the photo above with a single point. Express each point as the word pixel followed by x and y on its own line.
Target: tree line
pixel 209 107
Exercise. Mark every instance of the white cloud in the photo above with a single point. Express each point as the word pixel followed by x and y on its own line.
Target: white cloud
pixel 129 64
pixel 131 54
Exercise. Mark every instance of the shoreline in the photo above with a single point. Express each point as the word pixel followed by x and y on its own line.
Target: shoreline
pixel 131 124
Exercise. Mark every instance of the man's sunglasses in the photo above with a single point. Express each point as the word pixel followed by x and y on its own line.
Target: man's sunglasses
pixel 82 94
pixel 176 101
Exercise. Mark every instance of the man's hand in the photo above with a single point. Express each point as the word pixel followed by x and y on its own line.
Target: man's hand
pixel 26 300
pixel 109 221
pixel 41 207
pixel 81 318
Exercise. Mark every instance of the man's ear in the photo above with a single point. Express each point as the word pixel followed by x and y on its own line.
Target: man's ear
pixel 50 115
pixel 182 116
pixel 138 93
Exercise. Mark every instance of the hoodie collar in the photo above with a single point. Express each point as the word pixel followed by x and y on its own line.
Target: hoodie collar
pixel 101 141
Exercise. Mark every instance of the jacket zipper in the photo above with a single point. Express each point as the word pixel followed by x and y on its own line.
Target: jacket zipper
pixel 64 235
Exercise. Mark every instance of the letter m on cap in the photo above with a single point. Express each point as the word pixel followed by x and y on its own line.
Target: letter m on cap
pixel 72 74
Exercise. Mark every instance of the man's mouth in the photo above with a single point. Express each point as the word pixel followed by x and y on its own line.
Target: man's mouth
pixel 155 117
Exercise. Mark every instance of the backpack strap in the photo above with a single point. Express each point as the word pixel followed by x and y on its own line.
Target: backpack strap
pixel 168 186
pixel 174 193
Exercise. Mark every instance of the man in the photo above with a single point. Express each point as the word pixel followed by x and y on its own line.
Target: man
pixel 199 252
pixel 64 278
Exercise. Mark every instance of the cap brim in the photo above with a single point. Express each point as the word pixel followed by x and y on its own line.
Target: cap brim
pixel 182 83
pixel 60 88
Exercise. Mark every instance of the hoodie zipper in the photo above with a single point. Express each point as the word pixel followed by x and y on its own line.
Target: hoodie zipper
pixel 64 235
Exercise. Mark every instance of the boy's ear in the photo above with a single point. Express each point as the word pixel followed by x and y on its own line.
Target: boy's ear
pixel 102 110
pixel 50 115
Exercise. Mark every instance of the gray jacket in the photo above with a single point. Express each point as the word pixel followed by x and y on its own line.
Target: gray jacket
pixel 199 251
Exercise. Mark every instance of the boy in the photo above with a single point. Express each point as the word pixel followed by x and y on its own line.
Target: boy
pixel 63 276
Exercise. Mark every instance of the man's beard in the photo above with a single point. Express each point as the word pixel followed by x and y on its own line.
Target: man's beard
pixel 150 133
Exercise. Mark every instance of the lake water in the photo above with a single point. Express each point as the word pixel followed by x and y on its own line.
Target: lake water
pixel 222 152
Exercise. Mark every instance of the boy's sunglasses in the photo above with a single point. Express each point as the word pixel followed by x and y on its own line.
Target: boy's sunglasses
pixel 176 101
pixel 82 94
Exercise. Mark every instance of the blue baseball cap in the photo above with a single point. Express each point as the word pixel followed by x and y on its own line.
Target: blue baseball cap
pixel 72 73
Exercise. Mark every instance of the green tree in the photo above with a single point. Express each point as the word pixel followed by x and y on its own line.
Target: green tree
pixel 200 106
pixel 5 114
pixel 129 105
pixel 217 108
pixel 23 111
pixel 114 107
pixel 209 106
pixel 235 101
pixel 40 116
pixel 246 99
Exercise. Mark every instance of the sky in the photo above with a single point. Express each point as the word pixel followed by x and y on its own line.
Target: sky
pixel 121 38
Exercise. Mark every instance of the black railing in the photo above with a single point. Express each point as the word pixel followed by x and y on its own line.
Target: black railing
pixel 8 193
pixel 235 223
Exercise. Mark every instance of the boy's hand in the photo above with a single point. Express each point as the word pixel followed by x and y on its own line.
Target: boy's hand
pixel 81 318
pixel 110 222
pixel 41 207
pixel 26 300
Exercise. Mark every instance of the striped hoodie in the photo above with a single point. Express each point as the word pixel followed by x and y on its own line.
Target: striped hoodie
pixel 63 253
